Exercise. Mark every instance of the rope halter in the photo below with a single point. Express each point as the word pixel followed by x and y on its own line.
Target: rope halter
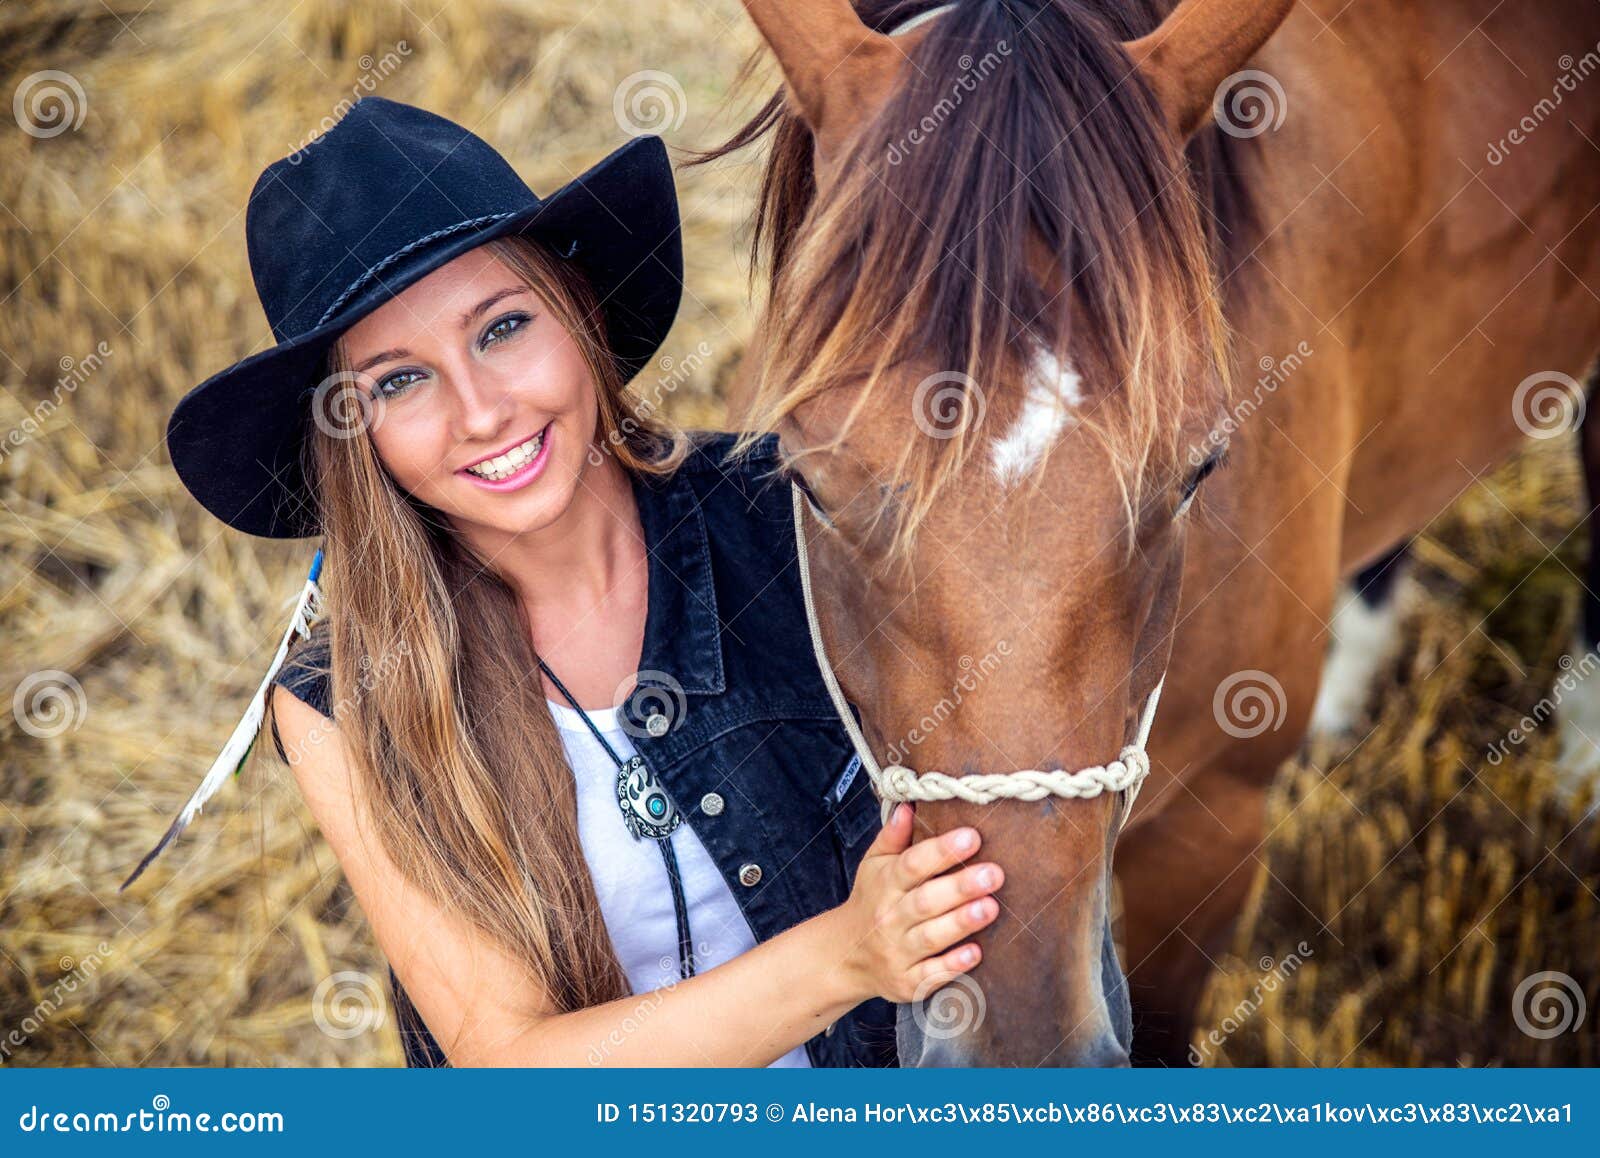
pixel 896 782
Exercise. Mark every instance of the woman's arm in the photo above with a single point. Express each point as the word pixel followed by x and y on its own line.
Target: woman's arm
pixel 891 935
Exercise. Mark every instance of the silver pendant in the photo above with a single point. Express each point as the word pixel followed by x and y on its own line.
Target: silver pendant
pixel 647 810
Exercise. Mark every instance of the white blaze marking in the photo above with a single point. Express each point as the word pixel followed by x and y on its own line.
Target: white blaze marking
pixel 1054 389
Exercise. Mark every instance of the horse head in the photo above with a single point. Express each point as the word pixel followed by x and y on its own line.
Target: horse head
pixel 993 354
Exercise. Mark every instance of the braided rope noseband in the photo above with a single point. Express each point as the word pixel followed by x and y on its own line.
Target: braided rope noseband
pixel 897 783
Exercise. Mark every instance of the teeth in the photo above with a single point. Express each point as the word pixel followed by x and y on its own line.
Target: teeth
pixel 507 464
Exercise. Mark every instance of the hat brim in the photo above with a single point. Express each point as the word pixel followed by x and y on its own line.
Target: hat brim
pixel 235 439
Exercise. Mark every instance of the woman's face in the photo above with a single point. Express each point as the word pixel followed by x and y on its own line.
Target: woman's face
pixel 482 404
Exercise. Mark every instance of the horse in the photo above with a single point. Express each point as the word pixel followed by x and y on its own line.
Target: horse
pixel 1109 341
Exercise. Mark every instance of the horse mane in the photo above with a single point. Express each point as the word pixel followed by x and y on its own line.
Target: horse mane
pixel 1021 124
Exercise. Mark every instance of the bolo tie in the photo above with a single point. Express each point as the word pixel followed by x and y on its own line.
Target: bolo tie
pixel 649 814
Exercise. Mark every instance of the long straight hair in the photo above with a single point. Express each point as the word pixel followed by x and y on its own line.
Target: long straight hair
pixel 436 685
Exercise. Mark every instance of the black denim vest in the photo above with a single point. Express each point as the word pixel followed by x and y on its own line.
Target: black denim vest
pixel 756 760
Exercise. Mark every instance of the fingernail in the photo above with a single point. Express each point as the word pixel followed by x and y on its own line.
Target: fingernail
pixel 966 838
pixel 978 909
pixel 968 955
pixel 987 878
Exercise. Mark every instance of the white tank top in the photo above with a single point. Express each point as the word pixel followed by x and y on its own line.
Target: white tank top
pixel 631 879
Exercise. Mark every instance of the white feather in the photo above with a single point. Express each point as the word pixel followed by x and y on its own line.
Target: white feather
pixel 307 609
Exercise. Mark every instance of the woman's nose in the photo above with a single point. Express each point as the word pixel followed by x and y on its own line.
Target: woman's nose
pixel 480 405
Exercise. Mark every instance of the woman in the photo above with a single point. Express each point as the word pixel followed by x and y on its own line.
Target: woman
pixel 555 879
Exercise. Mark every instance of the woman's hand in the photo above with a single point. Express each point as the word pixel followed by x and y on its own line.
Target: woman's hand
pixel 906 910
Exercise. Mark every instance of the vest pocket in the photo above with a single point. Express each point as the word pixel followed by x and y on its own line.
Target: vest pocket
pixel 853 809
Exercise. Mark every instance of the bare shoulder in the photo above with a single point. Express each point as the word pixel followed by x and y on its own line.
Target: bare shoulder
pixel 311 744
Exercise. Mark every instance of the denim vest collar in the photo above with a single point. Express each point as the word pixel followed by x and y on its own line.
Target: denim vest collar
pixel 682 631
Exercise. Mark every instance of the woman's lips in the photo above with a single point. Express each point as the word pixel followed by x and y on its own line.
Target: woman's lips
pixel 524 475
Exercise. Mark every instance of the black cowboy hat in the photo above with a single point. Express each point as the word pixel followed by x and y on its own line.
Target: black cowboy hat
pixel 388 195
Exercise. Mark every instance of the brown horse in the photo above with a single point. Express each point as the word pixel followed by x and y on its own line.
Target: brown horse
pixel 1039 268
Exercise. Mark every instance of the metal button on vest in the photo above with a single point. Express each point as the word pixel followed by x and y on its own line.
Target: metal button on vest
pixel 749 875
pixel 829 1031
pixel 711 804
pixel 657 724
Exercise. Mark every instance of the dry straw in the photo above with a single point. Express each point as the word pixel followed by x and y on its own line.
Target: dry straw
pixel 1440 891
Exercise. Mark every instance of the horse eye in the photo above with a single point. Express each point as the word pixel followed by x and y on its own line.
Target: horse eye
pixel 1191 485
pixel 799 480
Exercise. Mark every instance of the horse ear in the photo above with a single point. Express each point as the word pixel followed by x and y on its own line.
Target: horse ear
pixel 1198 46
pixel 838 70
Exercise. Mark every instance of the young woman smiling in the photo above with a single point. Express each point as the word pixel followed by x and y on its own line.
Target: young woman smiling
pixel 583 774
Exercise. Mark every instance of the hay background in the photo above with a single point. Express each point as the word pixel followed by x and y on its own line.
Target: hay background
pixel 1428 883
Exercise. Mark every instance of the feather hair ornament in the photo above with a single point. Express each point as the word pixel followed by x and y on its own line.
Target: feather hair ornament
pixel 307 610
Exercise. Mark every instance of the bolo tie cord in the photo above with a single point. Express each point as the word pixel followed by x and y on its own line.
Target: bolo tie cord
pixel 669 855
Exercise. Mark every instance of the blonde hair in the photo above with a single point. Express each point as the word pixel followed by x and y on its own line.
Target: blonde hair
pixel 452 742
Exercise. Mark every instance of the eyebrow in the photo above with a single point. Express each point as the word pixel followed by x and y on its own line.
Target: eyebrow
pixel 466 320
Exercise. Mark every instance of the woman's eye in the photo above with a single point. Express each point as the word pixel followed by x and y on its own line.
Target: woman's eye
pixel 397 383
pixel 502 328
